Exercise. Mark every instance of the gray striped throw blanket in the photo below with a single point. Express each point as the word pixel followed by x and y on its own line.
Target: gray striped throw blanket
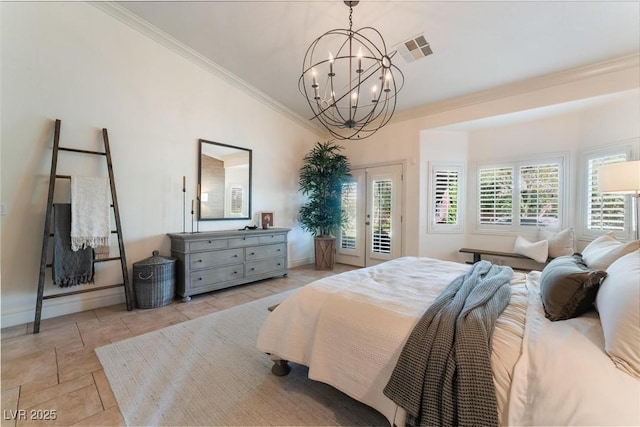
pixel 443 376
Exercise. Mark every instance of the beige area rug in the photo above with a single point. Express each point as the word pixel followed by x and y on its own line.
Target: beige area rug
pixel 207 371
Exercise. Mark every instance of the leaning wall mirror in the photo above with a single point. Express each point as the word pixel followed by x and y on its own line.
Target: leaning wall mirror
pixel 224 175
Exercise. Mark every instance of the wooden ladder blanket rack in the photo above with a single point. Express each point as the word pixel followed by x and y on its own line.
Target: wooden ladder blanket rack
pixel 128 289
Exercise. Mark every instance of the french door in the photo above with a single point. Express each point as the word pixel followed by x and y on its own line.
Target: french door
pixel 372 201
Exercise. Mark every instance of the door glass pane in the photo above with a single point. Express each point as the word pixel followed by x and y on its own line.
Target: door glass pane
pixel 349 199
pixel 381 218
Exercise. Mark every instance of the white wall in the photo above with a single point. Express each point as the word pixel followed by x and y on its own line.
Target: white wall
pixel 443 147
pixel 415 138
pixel 73 62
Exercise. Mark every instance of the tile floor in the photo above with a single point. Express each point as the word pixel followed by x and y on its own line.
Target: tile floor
pixel 56 374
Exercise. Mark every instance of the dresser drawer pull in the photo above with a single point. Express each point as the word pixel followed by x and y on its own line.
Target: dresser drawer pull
pixel 252 253
pixel 278 250
pixel 279 264
pixel 199 260
pixel 235 255
pixel 199 278
pixel 252 268
pixel 210 241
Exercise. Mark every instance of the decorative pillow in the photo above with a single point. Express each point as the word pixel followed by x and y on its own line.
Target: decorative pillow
pixel 539 251
pixel 603 251
pixel 619 306
pixel 560 243
pixel 568 287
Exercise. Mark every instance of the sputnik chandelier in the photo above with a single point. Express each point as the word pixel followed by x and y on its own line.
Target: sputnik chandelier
pixel 350 82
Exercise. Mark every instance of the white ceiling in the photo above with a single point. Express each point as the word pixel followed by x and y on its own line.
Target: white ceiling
pixel 477 45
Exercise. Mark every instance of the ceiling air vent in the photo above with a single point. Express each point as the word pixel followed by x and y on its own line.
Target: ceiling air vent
pixel 414 48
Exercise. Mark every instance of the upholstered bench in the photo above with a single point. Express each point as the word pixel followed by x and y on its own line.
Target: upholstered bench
pixel 477 256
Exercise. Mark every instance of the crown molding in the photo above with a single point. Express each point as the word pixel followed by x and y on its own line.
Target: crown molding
pixel 536 83
pixel 144 27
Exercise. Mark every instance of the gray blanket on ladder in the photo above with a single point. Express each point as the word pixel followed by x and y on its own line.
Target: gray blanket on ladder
pixel 443 376
pixel 69 268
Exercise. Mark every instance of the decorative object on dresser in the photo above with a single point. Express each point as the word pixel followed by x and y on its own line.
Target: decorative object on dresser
pixel 266 218
pixel 209 261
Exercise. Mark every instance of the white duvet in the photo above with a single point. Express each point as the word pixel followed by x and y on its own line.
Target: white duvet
pixel 565 377
pixel 349 330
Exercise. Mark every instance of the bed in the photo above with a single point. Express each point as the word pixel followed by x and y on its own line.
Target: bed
pixel 350 328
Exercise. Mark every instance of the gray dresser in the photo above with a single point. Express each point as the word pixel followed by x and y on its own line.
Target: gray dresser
pixel 219 259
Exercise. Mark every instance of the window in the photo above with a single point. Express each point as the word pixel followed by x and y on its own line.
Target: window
pixel 349 209
pixel 445 198
pixel 496 195
pixel 604 212
pixel 236 200
pixel 519 195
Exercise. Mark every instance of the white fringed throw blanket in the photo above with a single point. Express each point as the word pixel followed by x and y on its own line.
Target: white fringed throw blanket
pixel 443 376
pixel 90 218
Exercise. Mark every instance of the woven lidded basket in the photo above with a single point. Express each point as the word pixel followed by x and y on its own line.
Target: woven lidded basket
pixel 154 281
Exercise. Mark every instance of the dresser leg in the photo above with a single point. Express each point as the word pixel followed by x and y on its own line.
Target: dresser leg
pixel 186 299
pixel 280 368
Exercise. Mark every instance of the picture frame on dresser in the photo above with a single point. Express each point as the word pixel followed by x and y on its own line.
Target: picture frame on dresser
pixel 209 261
pixel 266 219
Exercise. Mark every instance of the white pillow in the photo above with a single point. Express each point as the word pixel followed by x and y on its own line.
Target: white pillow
pixel 538 251
pixel 618 302
pixel 560 243
pixel 603 251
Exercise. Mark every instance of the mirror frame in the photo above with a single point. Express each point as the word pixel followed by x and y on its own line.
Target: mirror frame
pixel 250 152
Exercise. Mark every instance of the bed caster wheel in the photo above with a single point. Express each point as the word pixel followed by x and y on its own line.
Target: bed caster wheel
pixel 280 368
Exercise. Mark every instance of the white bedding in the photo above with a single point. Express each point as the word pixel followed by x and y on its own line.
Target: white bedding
pixel 565 377
pixel 349 328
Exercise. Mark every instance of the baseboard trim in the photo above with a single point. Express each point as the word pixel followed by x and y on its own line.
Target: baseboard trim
pixel 61 306
pixel 300 262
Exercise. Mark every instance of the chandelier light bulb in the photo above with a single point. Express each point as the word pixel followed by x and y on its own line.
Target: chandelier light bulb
pixel 331 73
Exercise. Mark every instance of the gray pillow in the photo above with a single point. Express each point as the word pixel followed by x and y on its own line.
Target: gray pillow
pixel 568 287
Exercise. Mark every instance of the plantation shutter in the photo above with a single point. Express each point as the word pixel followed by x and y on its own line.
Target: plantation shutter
pixel 349 205
pixel 446 196
pixel 539 197
pixel 236 200
pixel 381 218
pixel 495 195
pixel 604 211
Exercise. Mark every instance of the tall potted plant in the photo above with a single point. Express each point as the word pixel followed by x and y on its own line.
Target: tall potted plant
pixel 324 171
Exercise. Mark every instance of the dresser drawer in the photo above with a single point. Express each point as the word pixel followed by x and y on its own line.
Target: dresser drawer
pixel 207 245
pixel 272 238
pixel 265 266
pixel 265 251
pixel 198 261
pixel 208 277
pixel 237 242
